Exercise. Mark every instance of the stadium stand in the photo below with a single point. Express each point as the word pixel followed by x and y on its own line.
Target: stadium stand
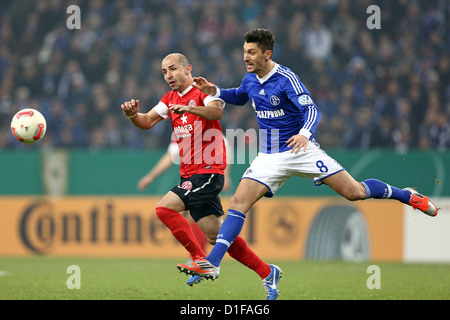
pixel 380 88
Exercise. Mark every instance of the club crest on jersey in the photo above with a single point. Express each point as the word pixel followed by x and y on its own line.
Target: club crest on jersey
pixel 186 185
pixel 305 100
pixel 274 100
pixel 192 103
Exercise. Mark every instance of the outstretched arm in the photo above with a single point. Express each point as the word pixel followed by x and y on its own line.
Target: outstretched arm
pixel 212 111
pixel 140 120
pixel 236 96
pixel 161 166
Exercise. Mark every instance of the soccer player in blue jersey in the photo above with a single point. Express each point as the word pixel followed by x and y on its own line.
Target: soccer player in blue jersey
pixel 288 118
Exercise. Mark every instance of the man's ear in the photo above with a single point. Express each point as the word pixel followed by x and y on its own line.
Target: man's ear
pixel 188 69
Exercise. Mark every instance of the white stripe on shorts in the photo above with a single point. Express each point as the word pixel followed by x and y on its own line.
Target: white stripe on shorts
pixel 204 185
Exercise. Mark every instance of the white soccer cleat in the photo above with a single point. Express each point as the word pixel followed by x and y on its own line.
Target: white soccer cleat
pixel 270 283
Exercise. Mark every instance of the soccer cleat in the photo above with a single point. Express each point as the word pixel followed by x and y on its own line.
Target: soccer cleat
pixel 200 267
pixel 194 279
pixel 270 283
pixel 421 202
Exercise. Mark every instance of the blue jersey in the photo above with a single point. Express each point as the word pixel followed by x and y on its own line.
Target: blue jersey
pixel 282 104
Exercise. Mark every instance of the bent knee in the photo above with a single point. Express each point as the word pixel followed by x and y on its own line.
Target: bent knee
pixel 235 201
pixel 211 232
pixel 355 194
pixel 240 203
pixel 211 237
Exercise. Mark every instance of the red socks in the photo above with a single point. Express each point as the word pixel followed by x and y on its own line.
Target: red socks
pixel 240 251
pixel 199 235
pixel 181 230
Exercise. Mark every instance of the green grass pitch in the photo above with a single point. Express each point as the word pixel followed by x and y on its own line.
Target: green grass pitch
pixel 36 278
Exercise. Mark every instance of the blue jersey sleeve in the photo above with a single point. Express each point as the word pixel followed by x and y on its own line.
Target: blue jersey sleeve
pixel 299 96
pixel 236 96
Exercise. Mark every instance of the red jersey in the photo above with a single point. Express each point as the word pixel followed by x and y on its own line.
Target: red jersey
pixel 201 142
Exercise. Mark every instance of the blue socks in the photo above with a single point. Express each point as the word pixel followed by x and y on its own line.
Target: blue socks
pixel 379 190
pixel 229 230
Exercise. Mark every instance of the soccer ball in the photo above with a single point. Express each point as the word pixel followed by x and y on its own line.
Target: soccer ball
pixel 28 126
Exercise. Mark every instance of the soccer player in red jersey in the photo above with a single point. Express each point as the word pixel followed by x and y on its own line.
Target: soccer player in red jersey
pixel 195 121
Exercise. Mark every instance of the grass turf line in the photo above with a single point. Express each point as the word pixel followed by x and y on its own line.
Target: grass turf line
pixel 36 278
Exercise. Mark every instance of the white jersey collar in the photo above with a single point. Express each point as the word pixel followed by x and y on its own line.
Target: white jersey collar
pixel 267 76
pixel 185 91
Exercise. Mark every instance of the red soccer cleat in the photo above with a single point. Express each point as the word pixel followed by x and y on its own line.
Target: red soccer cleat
pixel 421 202
pixel 200 267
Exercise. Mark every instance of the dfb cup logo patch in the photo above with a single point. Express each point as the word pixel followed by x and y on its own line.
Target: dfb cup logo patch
pixel 186 185
pixel 305 100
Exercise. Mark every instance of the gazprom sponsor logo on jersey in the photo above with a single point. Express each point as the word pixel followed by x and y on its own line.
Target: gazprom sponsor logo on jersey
pixel 305 100
pixel 268 114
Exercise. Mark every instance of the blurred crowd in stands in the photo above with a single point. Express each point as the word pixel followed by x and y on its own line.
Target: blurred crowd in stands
pixel 376 88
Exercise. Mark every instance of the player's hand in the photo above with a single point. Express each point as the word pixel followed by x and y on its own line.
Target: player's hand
pixel 144 182
pixel 179 109
pixel 297 142
pixel 204 86
pixel 130 108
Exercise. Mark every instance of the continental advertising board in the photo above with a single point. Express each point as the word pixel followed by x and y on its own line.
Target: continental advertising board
pixel 279 228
